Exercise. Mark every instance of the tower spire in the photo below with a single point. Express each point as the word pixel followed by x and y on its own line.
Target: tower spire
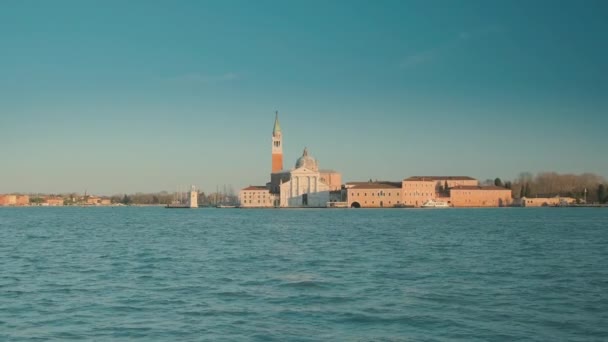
pixel 277 127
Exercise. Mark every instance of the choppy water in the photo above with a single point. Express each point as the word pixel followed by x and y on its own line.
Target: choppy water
pixel 303 275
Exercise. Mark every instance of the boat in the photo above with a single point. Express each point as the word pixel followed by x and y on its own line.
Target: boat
pixel 225 206
pixel 435 204
pixel 176 205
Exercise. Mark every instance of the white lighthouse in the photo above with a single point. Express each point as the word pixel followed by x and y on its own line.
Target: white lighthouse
pixel 193 203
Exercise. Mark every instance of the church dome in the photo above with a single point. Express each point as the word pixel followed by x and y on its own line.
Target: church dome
pixel 307 161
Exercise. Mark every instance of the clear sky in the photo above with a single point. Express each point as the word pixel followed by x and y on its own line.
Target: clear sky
pixel 125 96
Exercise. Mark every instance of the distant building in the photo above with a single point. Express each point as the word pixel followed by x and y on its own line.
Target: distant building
pixel 14 200
pixel 8 200
pixel 419 189
pixel 53 201
pixel 257 197
pixel 480 196
pixel 92 200
pixel 441 181
pixel 305 185
pixel 374 194
pixel 546 201
pixel 461 191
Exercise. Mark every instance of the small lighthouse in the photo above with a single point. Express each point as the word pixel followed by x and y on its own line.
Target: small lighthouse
pixel 193 203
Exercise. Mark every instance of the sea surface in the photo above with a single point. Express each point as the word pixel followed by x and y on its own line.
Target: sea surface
pixel 155 274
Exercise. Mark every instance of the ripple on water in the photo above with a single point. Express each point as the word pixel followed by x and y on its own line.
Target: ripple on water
pixel 303 275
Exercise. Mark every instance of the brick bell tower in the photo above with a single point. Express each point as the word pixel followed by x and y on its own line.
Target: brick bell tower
pixel 277 146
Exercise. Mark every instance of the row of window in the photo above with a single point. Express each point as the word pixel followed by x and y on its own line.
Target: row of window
pixel 380 194
pixel 389 202
pixel 268 201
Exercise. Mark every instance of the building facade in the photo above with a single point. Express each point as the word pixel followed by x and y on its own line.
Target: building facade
pixel 257 197
pixel 374 194
pixel 54 201
pixel 419 189
pixel 546 201
pixel 480 196
pixel 415 191
pixel 14 200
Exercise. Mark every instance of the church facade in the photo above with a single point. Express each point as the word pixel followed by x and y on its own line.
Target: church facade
pixel 303 186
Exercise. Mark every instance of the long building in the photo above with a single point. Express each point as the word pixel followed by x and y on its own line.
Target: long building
pixel 14 200
pixel 374 194
pixel 480 196
pixel 457 191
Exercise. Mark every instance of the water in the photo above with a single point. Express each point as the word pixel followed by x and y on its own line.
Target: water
pixel 303 275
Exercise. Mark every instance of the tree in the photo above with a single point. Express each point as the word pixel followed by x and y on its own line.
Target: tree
pixel 498 182
pixel 522 191
pixel 126 200
pixel 488 182
pixel 36 200
pixel 527 192
pixel 446 188
pixel 508 185
pixel 601 193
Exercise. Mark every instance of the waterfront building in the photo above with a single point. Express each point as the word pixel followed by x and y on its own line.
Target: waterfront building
pixel 53 201
pixel 14 200
pixel 92 200
pixel 545 201
pixel 305 185
pixel 374 194
pixel 480 196
pixel 257 197
pixel 461 191
pixel 419 189
pixel 445 181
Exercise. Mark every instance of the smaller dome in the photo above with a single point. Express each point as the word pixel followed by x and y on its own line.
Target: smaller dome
pixel 307 161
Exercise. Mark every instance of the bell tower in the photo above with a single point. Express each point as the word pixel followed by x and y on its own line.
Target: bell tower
pixel 277 145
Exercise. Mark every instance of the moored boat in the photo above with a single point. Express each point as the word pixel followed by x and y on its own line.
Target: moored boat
pixel 435 204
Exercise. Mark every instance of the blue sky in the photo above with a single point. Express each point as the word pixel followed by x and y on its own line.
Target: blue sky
pixel 125 96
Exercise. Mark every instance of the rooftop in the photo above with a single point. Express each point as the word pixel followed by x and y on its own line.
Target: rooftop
pixel 256 187
pixel 436 178
pixel 478 187
pixel 375 185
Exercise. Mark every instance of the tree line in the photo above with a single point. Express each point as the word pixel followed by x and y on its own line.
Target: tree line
pixel 164 198
pixel 550 184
